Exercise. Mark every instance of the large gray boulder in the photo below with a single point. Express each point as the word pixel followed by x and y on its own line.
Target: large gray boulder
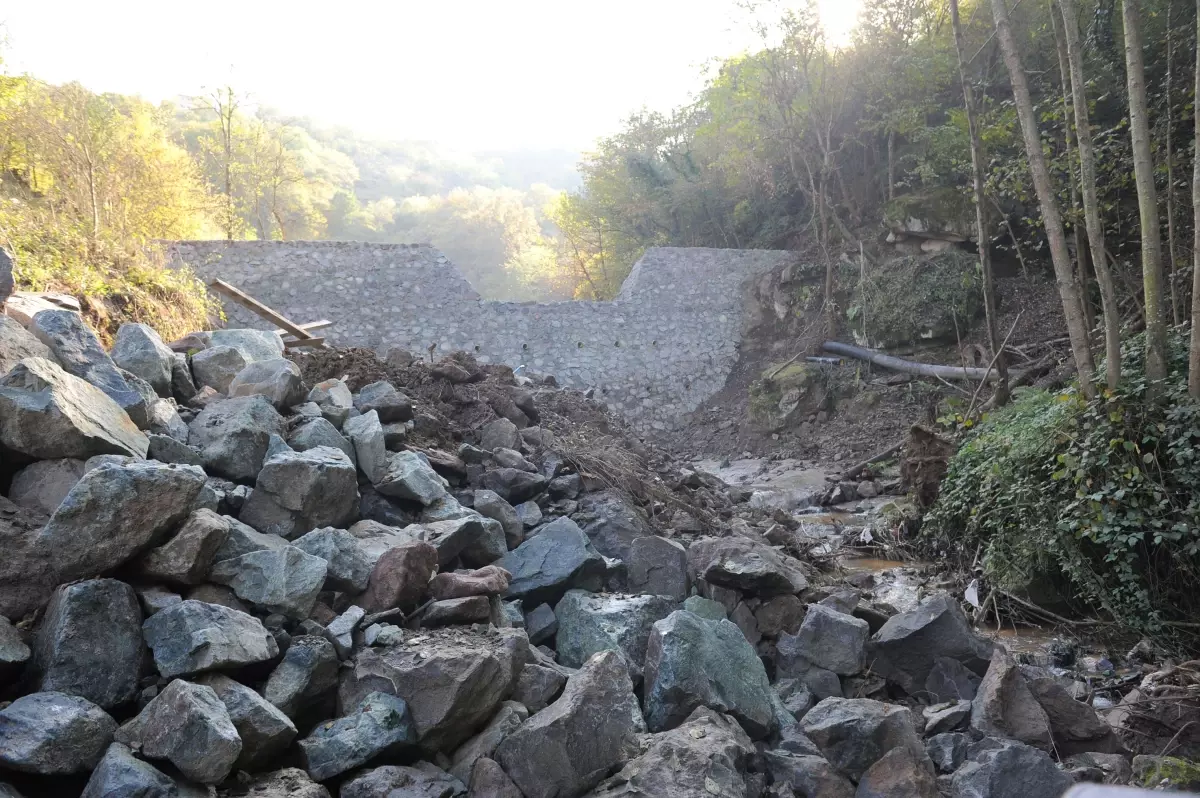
pixel 297 492
pixel 233 436
pixel 900 773
pixel 383 398
pixel 507 719
pixel 183 384
pixel 366 433
pixel 571 745
pixel 121 773
pixel 855 733
pixel 264 730
pixel 216 367
pixel 43 485
pixel 592 622
pixel 611 523
pixel 53 734
pixel 1010 771
pixel 28 570
pixel 187 725
pixel 46 413
pixel 13 651
pixel 827 639
pixel 546 566
pixel 1005 706
pixel 192 637
pixel 706 756
pixel 306 677
pixel 285 783
pixel 513 484
pixel 410 477
pixel 692 662
pixel 278 380
pixel 349 565
pixel 657 566
pixel 253 344
pixel 186 558
pixel 116 512
pixel 284 580
pixel 1074 725
pixel 500 434
pixel 745 565
pixel 452 679
pixel 808 774
pixel 89 643
pixel 423 780
pixel 78 351
pixel 489 504
pixel 17 343
pixel 379 724
pixel 906 648
pixel 139 350
pixel 314 432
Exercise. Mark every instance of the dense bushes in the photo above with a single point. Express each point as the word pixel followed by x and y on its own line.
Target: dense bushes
pixel 1101 496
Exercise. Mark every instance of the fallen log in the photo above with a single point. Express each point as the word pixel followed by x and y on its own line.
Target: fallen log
pixel 909 366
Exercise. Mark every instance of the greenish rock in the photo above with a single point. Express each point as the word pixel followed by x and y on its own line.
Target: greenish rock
pixel 706 608
pixel 918 298
pixel 943 213
pixel 591 622
pixel 379 724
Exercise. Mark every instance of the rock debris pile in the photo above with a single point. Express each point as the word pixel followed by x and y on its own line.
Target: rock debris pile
pixel 217 579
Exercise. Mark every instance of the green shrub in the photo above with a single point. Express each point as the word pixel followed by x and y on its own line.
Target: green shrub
pixel 913 298
pixel 1104 495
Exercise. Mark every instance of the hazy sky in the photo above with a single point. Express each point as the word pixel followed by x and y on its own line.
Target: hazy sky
pixel 472 74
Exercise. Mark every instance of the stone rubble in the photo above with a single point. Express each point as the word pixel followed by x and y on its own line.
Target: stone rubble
pixel 336 591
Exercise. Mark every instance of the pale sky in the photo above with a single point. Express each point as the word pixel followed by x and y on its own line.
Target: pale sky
pixel 469 74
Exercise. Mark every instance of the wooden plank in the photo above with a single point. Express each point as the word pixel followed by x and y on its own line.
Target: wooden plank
pixel 250 303
pixel 292 344
pixel 309 327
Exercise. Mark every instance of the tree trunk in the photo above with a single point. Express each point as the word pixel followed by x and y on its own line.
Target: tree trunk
pixel 891 174
pixel 1091 200
pixel 1194 350
pixel 981 229
pixel 1143 171
pixel 1176 311
pixel 1068 290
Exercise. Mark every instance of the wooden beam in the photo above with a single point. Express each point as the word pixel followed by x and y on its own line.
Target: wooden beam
pixel 293 344
pixel 309 327
pixel 250 303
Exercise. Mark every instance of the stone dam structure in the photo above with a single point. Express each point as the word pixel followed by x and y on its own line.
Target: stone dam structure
pixel 663 346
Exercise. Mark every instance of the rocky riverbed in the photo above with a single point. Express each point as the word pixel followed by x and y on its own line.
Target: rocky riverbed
pixel 226 571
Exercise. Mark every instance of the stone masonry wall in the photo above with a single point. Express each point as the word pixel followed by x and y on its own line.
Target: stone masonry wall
pixel 654 354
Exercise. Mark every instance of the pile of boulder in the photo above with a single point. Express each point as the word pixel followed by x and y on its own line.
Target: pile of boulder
pixel 218 580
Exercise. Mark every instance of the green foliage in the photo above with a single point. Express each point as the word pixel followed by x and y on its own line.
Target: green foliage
pixel 1103 494
pixel 913 298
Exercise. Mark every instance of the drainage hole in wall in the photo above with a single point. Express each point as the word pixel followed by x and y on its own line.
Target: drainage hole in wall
pixel 477 349
pixel 617 344
pixel 524 347
pixel 579 345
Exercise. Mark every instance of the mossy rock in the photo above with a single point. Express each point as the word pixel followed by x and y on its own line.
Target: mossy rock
pixel 941 212
pixel 918 298
pixel 779 393
pixel 1171 772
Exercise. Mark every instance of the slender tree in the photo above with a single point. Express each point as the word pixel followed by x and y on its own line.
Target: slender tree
pixel 1194 351
pixel 1068 289
pixel 1091 200
pixel 981 228
pixel 1143 172
pixel 1169 146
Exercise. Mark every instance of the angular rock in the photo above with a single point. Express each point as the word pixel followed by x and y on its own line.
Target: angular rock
pixel 396 781
pixel 529 513
pixel 589 623
pixel 331 392
pixel 120 773
pixel 183 385
pixel 43 485
pixel 166 449
pixel 491 580
pixel 500 434
pixel 384 399
pixel 349 566
pixel 187 558
pixel 53 734
pixel 900 773
pixel 905 649
pixel 571 745
pixel 1006 707
pixel 950 680
pixel 187 725
pixel 705 608
pixel 191 637
pixel 513 485
pixel 305 678
pixel 808 775
pixel 233 436
pixel 409 477
pixel 113 513
pixel 243 539
pixel 89 643
pixel 855 733
pixel 708 755
pixel 488 780
pixel 538 686
pixel 779 615
pixel 283 580
pixel 400 577
pixel 78 351
pixel 340 631
pixel 541 624
pixel 216 367
pixel 316 432
pixel 506 720
pixel 947 751
pixel 366 433
pixel 1072 722
pixel 139 350
pixel 471 609
pixel 941 718
pixel 452 679
pixel 832 640
pixel 510 458
pixel 745 565
pixel 297 492
pixel 264 730
pixel 657 566
pixel 549 564
pixel 379 724
pixel 17 343
pixel 13 651
pixel 611 523
pixel 451 538
pixel 253 344
pixel 278 380
pixel 490 505
pixel 46 413
pixel 692 662
pixel 1011 771
pixel 285 783
pixel 488 546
